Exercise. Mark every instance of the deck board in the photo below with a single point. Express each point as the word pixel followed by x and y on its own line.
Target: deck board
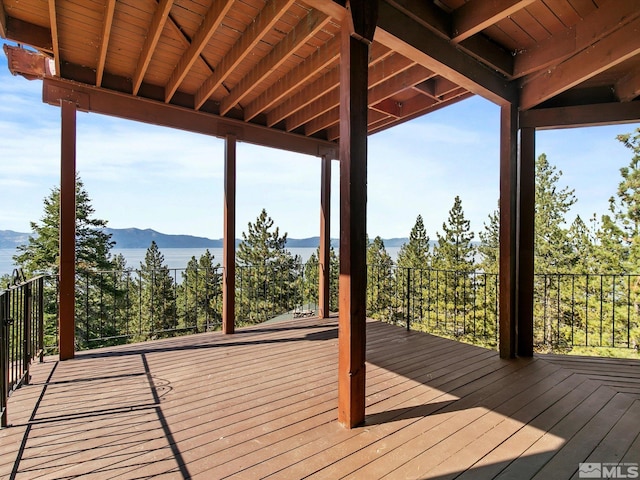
pixel 263 404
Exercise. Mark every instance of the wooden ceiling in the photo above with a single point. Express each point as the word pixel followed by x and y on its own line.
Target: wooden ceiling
pixel 270 69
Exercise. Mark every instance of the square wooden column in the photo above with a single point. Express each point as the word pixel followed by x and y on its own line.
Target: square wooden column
pixel 356 35
pixel 526 225
pixel 229 241
pixel 324 254
pixel 508 298
pixel 67 309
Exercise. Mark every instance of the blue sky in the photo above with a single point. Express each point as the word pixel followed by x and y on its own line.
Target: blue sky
pixel 150 177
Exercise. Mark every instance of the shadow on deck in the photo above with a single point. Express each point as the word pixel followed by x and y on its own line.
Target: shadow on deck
pixel 263 403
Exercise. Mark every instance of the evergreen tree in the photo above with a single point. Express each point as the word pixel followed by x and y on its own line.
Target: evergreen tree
pixel 312 279
pixel 158 296
pixel 415 253
pixel 552 247
pixel 629 195
pixel 380 287
pixel 268 274
pixel 489 247
pixel 454 250
pixel 42 252
pixel 200 292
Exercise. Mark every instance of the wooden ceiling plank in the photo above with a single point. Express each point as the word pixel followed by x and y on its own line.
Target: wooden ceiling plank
pixel 611 16
pixel 413 40
pixel 211 22
pixel 104 42
pixel 329 8
pixel 264 22
pixel 53 20
pixel 109 102
pixel 613 49
pixel 320 59
pixel 160 17
pixel 476 15
pixel 301 33
pixel 628 87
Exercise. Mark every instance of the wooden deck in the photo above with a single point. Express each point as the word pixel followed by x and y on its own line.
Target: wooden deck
pixel 263 403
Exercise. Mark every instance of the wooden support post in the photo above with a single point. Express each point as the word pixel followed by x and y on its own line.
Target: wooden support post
pixel 324 260
pixel 526 222
pixel 357 33
pixel 67 309
pixel 229 242
pixel 508 230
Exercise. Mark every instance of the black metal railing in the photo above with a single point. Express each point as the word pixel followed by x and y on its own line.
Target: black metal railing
pixel 21 334
pixel 456 304
pixel 136 305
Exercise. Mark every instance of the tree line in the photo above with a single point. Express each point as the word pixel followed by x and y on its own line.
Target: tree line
pixel 438 281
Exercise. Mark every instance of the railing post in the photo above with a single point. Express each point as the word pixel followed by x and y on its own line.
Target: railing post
pixel 26 341
pixel 41 319
pixel 408 299
pixel 4 361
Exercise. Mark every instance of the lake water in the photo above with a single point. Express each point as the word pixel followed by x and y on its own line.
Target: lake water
pixel 173 257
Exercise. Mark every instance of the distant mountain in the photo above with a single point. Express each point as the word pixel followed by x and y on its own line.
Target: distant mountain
pixel 138 238
pixel 11 239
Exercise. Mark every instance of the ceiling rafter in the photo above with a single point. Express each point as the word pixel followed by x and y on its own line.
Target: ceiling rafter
pixel 628 87
pixel 608 52
pixel 211 22
pixel 296 38
pixel 320 87
pixel 609 17
pixel 266 19
pixel 379 71
pixel 104 39
pixel 476 15
pixel 54 35
pixel 378 92
pixel 321 58
pixel 160 17
pixel 412 39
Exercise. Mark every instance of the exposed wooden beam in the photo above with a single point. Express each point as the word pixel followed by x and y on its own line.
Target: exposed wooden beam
pixel 104 39
pixel 160 17
pixel 318 88
pixel 617 47
pixel 581 115
pixel 229 241
pixel 413 40
pixel 324 250
pixel 440 23
pixel 123 105
pixel 377 93
pixel 29 34
pixel 611 15
pixel 211 22
pixel 27 63
pixel 67 267
pixel 379 71
pixel 264 22
pixel 296 38
pixel 3 20
pixel 526 240
pixel 320 59
pixel 53 21
pixel 476 15
pixel 508 300
pixel 628 87
pixel 329 8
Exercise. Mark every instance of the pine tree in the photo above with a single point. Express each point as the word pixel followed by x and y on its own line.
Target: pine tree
pixel 380 287
pixel 158 296
pixel 416 252
pixel 489 248
pixel 199 294
pixel 455 250
pixel 312 279
pixel 268 275
pixel 42 252
pixel 629 195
